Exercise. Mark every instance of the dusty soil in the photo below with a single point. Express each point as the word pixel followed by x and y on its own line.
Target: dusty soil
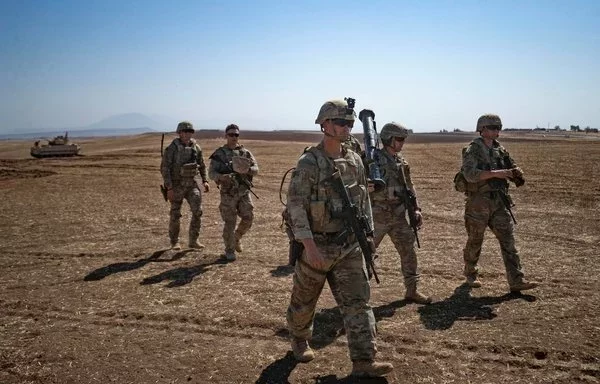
pixel 89 292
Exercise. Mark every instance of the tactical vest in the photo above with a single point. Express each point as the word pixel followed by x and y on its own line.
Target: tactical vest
pixel 392 175
pixel 225 157
pixel 494 159
pixel 325 203
pixel 184 166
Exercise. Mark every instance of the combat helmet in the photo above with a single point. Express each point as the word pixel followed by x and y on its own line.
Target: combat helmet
pixel 488 119
pixel 392 129
pixel 184 126
pixel 336 109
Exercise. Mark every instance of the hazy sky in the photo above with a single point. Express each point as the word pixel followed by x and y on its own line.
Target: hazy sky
pixel 271 64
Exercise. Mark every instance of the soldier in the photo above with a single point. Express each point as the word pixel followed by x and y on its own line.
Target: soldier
pixel 389 210
pixel 487 167
pixel 180 166
pixel 330 253
pixel 232 167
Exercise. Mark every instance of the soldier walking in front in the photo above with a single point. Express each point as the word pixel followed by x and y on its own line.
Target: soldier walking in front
pixel 331 253
pixel 486 169
pixel 232 167
pixel 389 208
pixel 181 163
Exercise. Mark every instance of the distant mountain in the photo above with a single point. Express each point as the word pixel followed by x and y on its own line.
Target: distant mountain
pixel 46 135
pixel 127 120
pixel 117 125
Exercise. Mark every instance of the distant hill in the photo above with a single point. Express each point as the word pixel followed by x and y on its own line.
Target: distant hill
pixel 100 132
pixel 126 121
pixel 117 125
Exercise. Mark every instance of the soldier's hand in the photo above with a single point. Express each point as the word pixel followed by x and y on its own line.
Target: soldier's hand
pixel 419 217
pixel 370 186
pixel 170 195
pixel 517 172
pixel 206 186
pixel 313 256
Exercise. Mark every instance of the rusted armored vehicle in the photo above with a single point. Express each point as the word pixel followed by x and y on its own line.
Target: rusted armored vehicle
pixel 57 147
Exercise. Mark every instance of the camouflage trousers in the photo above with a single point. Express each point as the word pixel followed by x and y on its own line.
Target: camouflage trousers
pixel 194 198
pixel 391 221
pixel 482 211
pixel 347 278
pixel 231 207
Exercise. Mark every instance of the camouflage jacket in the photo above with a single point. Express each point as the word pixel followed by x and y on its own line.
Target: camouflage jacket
pixel 353 144
pixel 395 171
pixel 180 162
pixel 220 164
pixel 477 157
pixel 312 202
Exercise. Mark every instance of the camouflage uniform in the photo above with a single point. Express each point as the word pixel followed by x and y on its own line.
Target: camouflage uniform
pixel 353 144
pixel 312 205
pixel 389 213
pixel 484 208
pixel 235 194
pixel 180 167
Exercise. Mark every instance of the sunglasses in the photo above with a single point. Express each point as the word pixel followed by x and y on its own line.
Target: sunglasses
pixel 493 127
pixel 233 134
pixel 401 139
pixel 188 130
pixel 343 122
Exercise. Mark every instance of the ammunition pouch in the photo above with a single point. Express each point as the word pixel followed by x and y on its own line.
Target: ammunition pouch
pixel 189 170
pixel 338 238
pixel 460 183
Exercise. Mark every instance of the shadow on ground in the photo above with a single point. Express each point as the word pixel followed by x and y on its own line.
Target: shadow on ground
pixel 101 273
pixel 182 275
pixel 462 306
pixel 329 323
pixel 279 371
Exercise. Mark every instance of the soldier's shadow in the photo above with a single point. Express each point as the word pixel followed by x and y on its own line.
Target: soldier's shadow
pixel 279 371
pixel 102 272
pixel 332 379
pixel 462 306
pixel 182 275
pixel 328 325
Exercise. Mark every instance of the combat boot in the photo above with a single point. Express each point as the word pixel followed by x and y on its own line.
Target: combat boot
pixel 413 296
pixel 523 286
pixel 302 351
pixel 473 282
pixel 238 244
pixel 370 368
pixel 230 256
pixel 175 245
pixel 196 245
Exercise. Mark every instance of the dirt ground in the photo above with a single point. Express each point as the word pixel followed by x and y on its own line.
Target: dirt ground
pixel 90 292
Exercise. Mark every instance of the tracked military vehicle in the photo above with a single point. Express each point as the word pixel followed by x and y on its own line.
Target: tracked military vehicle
pixel 57 147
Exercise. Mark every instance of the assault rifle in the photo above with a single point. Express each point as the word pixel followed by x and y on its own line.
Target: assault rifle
pixel 163 189
pixel 239 177
pixel 508 204
pixel 356 223
pixel 367 117
pixel 410 204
